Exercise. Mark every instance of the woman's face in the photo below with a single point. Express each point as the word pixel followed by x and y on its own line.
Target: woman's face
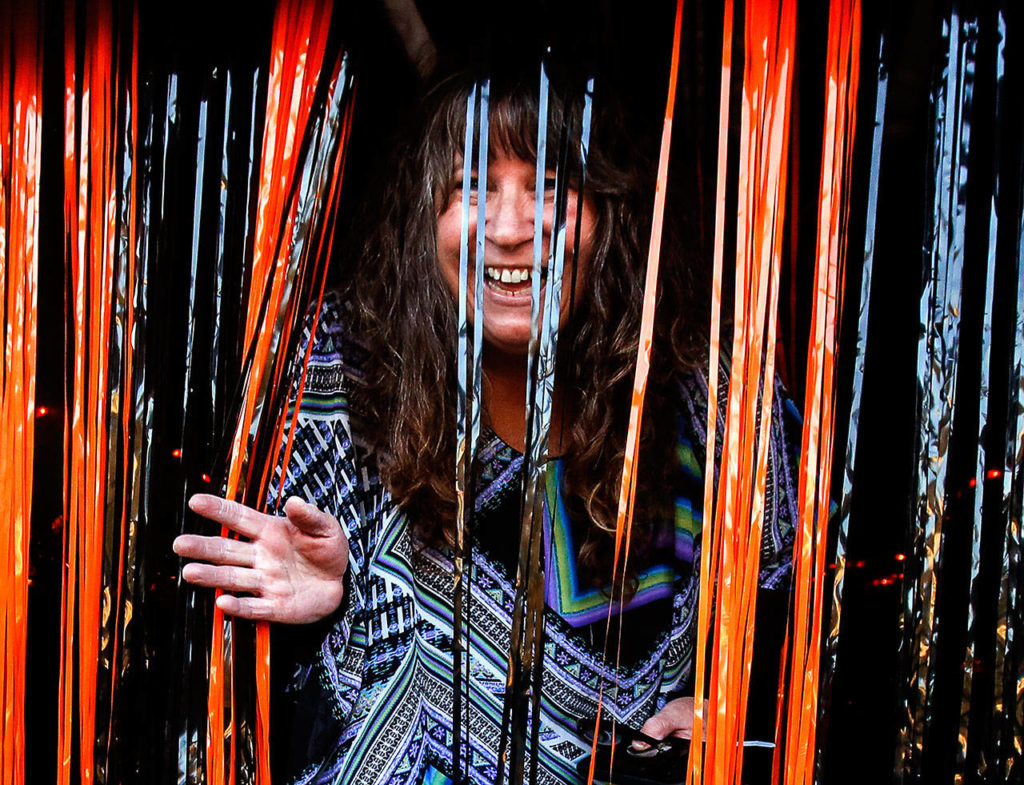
pixel 508 248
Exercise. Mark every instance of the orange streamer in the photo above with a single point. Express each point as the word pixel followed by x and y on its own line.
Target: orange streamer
pixel 73 435
pixel 627 488
pixel 297 64
pixel 92 418
pixel 126 428
pixel 20 132
pixel 842 68
pixel 730 557
pixel 85 192
pixel 710 550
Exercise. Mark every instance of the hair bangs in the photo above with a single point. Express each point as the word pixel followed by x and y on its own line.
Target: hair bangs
pixel 512 119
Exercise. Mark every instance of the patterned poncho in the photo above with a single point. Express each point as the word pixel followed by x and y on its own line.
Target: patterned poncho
pixel 375 699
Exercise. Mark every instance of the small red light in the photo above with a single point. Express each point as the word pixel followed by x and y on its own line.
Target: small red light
pixel 41 411
pixel 992 473
pixel 176 453
pixel 900 576
pixel 901 557
pixel 206 478
pixel 831 567
pixel 886 581
pixel 972 482
pixel 858 564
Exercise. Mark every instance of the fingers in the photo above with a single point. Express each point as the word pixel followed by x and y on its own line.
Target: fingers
pixel 221 577
pixel 219 550
pixel 310 519
pixel 255 608
pixel 235 516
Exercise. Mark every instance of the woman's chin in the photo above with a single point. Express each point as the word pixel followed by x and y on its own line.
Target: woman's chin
pixel 510 342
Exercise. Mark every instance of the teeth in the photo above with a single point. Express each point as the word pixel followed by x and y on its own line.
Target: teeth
pixel 506 275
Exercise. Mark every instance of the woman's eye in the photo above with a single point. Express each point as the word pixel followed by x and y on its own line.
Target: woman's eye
pixel 457 183
pixel 550 183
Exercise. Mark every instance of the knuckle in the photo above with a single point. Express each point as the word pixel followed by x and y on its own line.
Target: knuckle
pixel 243 514
pixel 218 550
pixel 255 610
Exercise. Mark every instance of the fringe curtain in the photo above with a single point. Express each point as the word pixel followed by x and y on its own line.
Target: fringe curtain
pixel 198 218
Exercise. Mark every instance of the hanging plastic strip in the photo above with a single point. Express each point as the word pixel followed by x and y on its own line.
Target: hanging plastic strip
pixel 98 211
pixel 937 361
pixel 711 546
pixel 527 615
pixel 468 356
pixel 842 71
pixel 288 245
pixel 863 312
pixel 983 459
pixel 1008 670
pixel 21 82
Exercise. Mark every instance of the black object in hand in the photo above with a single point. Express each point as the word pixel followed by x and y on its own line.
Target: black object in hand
pixel 661 762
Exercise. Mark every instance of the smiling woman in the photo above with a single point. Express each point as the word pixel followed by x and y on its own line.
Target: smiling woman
pixel 407 313
pixel 374 454
pixel 508 244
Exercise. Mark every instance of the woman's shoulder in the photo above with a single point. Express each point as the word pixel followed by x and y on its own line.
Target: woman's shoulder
pixel 694 395
pixel 336 355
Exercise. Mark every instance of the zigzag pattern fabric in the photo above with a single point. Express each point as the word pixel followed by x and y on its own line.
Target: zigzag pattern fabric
pixel 376 696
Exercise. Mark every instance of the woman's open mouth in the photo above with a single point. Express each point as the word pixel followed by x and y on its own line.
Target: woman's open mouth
pixel 514 281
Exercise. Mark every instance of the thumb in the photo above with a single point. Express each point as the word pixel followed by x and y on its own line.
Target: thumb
pixel 659 726
pixel 310 519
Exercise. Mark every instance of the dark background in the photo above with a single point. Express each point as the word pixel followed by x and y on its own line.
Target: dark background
pixel 628 45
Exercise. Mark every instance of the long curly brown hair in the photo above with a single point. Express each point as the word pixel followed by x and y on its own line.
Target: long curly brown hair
pixel 407 403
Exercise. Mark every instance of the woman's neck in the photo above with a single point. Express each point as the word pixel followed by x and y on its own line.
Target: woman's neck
pixel 504 393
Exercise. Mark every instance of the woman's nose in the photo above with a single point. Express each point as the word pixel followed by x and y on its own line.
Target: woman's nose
pixel 509 217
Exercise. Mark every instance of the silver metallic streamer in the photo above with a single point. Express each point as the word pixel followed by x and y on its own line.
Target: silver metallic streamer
pixel 315 177
pixel 983 395
pixel 218 279
pixel 463 463
pixel 109 671
pixel 937 367
pixel 192 758
pixel 526 619
pixel 478 294
pixel 1007 704
pixel 469 358
pixel 846 500
pixel 252 192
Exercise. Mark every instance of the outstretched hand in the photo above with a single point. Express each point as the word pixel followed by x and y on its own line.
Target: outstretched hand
pixel 288 569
